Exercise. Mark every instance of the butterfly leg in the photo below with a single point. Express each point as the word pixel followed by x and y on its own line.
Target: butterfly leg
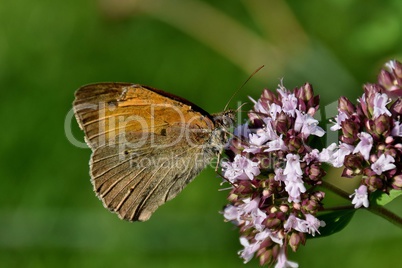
pixel 217 162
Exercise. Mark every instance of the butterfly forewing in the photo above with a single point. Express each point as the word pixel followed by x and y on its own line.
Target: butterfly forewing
pixel 147 145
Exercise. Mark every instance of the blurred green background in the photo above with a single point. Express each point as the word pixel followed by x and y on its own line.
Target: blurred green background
pixel 202 50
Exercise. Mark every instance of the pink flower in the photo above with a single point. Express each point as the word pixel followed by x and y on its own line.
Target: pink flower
pixel 365 145
pixel 397 130
pixel 307 125
pixel 291 223
pixel 380 102
pixel 266 233
pixel 260 106
pixel 274 109
pixel 294 183
pixel 289 101
pixel 241 168
pixel 294 187
pixel 283 261
pixel 360 197
pixel 383 163
pixel 232 213
pixel 250 205
pixel 258 217
pixel 339 156
pixel 261 136
pixel 249 249
pixel 279 175
pixel 256 141
pixel 326 155
pixel 293 165
pixel 310 157
pixel 311 224
pixel 338 121
pixel 276 145
pixel 335 155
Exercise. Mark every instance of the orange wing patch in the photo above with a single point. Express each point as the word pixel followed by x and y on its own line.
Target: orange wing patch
pixel 108 110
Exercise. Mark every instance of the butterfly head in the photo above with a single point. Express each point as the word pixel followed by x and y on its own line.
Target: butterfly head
pixel 225 120
pixel 221 134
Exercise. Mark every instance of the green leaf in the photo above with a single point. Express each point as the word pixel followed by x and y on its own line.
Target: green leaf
pixel 381 198
pixel 335 221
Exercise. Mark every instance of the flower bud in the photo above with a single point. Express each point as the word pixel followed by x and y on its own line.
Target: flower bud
pixel 296 206
pixel 309 206
pixel 296 144
pixel 389 140
pixel 395 67
pixel 346 106
pixel 348 173
pixel 313 204
pixel 392 84
pixel 282 123
pixel 396 108
pixel 372 180
pixel 315 172
pixel 272 222
pixel 267 243
pixel 265 160
pixel 232 198
pixel 354 162
pixel 268 96
pixel 305 92
pixel 265 256
pixel 284 208
pixel 361 108
pixel 319 195
pixel 385 79
pixel 245 187
pixel 294 241
pixel 314 103
pixel 349 130
pixel 382 126
pixel 397 182
pixel 275 250
pixel 392 151
pixel 370 91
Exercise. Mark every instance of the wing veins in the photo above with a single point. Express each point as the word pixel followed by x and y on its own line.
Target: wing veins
pixel 106 171
pixel 151 192
pixel 105 193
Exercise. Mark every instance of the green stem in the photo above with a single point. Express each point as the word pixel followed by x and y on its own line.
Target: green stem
pixel 376 209
pixel 386 214
pixel 335 190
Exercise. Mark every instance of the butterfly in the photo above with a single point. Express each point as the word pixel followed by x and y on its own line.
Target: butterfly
pixel 147 144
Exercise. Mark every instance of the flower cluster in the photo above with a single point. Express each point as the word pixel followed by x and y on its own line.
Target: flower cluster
pixel 274 174
pixel 274 170
pixel 370 132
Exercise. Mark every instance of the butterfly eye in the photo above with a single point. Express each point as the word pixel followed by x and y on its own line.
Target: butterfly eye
pixel 225 120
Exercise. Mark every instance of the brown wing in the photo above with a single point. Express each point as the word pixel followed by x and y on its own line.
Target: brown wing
pixel 147 145
pixel 135 182
pixel 106 110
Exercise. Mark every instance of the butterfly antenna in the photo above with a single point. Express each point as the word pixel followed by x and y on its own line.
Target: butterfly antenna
pixel 238 108
pixel 245 82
